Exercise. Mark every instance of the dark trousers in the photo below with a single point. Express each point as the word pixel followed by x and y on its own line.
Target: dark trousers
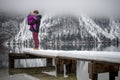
pixel 36 40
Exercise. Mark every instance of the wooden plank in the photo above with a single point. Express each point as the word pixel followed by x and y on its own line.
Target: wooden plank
pixel 109 57
pixel 22 56
pixel 103 67
pixel 40 56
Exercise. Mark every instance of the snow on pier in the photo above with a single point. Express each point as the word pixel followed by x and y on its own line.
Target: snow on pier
pixel 103 56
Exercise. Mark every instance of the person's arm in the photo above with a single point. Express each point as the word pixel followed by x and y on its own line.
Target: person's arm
pixel 32 22
pixel 36 20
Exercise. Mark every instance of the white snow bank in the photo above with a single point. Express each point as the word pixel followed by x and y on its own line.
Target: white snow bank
pixel 105 56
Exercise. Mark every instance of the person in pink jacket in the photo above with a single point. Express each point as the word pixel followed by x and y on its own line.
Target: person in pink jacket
pixel 34 20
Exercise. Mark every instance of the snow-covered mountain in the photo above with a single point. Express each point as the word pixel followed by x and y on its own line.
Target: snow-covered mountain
pixel 9 26
pixel 65 28
pixel 78 28
pixel 110 26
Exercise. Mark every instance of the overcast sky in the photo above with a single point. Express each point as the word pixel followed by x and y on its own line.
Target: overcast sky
pixel 105 7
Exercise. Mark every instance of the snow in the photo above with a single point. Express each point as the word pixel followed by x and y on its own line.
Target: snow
pixel 95 30
pixel 49 53
pixel 113 57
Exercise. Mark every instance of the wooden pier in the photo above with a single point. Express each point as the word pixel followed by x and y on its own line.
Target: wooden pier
pixel 97 60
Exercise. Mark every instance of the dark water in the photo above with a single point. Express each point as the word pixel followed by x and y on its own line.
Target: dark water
pixel 82 67
pixel 4 56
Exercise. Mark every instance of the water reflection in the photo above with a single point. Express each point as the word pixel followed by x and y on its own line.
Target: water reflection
pixel 82 47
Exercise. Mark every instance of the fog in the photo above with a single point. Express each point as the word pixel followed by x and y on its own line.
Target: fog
pixel 91 7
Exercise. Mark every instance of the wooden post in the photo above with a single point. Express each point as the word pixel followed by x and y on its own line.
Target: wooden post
pixel 71 66
pixel 11 61
pixel 94 76
pixel 49 61
pixel 73 69
pixel 112 75
pixel 59 66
